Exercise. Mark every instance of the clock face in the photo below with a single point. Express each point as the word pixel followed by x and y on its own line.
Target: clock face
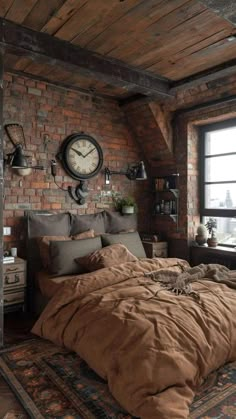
pixel 81 156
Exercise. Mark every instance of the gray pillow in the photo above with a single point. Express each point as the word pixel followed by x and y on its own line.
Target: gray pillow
pixel 43 225
pixel 131 240
pixel 115 222
pixel 86 222
pixel 64 253
pixel 48 225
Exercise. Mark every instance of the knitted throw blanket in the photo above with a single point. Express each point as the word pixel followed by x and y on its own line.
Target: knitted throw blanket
pixel 180 283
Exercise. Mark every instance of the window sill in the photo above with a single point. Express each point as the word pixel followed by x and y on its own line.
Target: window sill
pixel 222 255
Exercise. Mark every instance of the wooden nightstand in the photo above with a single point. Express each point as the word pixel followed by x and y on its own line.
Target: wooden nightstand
pixel 155 249
pixel 14 284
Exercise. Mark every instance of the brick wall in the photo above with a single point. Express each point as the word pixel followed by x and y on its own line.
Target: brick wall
pixel 49 114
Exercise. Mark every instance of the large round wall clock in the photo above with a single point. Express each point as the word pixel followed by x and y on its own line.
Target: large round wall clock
pixel 81 156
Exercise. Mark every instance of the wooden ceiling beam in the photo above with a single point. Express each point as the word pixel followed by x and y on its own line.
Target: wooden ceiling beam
pixel 45 48
pixel 224 8
pixel 211 75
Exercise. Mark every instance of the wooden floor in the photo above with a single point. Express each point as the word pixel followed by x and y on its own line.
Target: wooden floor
pixel 17 328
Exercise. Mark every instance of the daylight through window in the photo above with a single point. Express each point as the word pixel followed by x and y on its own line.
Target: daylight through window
pixel 218 178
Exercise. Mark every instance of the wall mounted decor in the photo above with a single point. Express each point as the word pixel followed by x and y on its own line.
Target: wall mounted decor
pixel 81 156
pixel 17 159
pixel 78 194
pixel 134 172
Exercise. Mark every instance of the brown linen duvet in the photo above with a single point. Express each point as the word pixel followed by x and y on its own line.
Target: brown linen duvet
pixel 153 347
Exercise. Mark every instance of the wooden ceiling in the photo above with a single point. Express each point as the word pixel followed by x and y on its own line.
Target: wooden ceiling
pixel 119 48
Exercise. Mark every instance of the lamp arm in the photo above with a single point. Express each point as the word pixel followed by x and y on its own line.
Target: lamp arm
pixel 133 172
pixel 37 167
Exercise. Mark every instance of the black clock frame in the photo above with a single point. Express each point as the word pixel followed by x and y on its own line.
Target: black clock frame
pixel 63 155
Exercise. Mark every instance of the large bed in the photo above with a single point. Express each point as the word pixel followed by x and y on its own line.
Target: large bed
pixel 154 329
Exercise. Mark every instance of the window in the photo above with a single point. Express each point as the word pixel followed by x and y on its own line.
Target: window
pixel 218 178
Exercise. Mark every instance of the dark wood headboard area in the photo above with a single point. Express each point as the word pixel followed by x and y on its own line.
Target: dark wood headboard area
pixel 37 223
pixel 46 223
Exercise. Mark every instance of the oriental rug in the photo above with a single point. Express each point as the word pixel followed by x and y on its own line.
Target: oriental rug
pixel 51 382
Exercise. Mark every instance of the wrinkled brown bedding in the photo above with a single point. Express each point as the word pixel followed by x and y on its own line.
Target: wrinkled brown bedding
pixel 153 347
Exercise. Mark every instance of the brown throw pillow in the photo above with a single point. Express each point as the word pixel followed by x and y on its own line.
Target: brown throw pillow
pixel 44 243
pixel 85 235
pixel 106 257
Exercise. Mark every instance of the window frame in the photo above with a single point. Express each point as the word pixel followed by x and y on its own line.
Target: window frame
pixel 212 212
pixel 204 212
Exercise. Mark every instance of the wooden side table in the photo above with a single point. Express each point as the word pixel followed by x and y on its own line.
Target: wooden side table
pixel 14 284
pixel 156 249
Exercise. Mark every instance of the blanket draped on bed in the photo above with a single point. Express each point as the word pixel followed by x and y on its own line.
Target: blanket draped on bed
pixel 180 283
pixel 154 347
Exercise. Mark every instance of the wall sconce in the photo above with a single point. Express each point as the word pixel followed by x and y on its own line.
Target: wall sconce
pixel 17 159
pixel 134 172
pixel 78 194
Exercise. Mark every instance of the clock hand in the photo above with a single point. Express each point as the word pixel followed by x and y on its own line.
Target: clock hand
pixel 89 152
pixel 77 152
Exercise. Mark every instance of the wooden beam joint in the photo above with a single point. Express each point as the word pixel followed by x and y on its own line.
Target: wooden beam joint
pixel 45 48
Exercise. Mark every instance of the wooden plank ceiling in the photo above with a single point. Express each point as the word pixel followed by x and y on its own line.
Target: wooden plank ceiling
pixel 176 40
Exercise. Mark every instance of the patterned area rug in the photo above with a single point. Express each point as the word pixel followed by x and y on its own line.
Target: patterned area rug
pixel 14 415
pixel 53 383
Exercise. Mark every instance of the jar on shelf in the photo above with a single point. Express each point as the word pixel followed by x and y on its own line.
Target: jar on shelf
pixel 167 208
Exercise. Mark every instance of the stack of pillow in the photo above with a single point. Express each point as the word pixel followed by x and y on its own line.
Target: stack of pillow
pixel 73 244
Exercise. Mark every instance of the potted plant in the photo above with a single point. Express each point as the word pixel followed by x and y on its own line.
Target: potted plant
pixel 211 226
pixel 126 205
pixel 201 237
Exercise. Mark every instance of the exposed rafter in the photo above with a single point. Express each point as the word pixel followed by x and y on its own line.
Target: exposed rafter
pixel 215 73
pixel 224 8
pixel 45 48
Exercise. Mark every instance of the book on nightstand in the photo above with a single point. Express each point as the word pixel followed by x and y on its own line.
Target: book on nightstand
pixel 150 237
pixel 8 259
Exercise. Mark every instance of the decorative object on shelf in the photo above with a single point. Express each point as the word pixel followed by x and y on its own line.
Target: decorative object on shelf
pixel 78 194
pixel 201 236
pixel 134 172
pixel 167 197
pixel 211 226
pixel 125 205
pixel 166 183
pixel 17 159
pixel 81 156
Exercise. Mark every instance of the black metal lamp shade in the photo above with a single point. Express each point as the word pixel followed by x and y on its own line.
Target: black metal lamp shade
pixel 134 172
pixel 140 172
pixel 19 161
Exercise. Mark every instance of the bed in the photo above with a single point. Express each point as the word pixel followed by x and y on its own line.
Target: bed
pixel 154 329
pixel 42 227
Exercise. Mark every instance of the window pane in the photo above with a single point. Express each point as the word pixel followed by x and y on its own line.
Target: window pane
pixel 220 168
pixel 221 141
pixel 220 196
pixel 226 230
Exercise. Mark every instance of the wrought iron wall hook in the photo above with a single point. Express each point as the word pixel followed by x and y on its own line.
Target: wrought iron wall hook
pixel 79 193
